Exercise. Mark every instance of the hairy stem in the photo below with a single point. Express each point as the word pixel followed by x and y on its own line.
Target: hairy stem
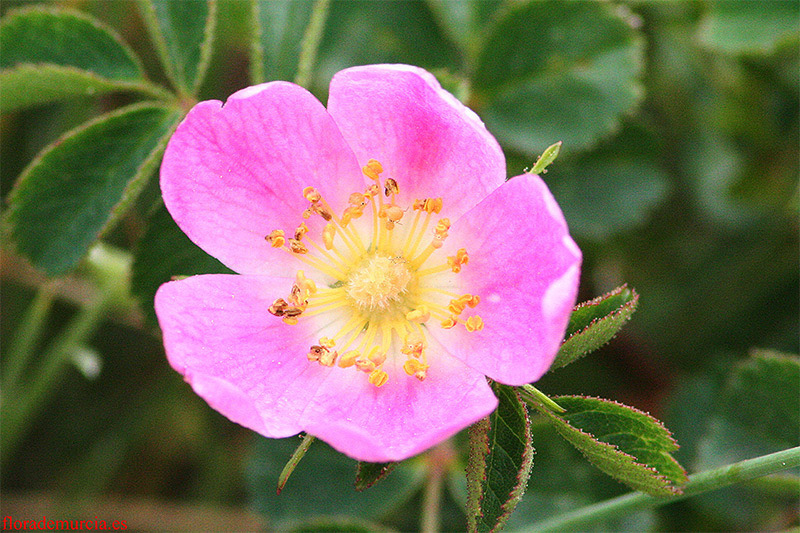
pixel 698 484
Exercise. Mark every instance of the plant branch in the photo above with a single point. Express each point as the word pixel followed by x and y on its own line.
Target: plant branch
pixel 698 484
pixel 309 46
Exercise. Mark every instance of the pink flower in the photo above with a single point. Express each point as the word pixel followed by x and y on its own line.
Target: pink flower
pixel 386 265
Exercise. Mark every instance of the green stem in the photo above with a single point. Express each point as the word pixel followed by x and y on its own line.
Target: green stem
pixel 27 336
pixel 309 46
pixel 531 393
pixel 432 496
pixel 698 484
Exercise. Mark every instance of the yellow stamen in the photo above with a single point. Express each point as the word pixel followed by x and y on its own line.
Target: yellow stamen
pixel 276 238
pixel 474 323
pixel 378 377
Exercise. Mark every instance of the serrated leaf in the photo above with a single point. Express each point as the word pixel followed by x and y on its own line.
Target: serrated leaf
pixel 67 196
pixel 183 34
pixel 625 443
pixel 594 323
pixel 558 70
pixel 293 461
pixel 278 32
pixel 49 55
pixel 500 460
pixel 163 252
pixel 738 27
pixel 762 396
pixel 367 474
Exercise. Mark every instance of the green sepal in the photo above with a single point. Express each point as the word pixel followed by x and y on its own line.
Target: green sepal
pixel 594 323
pixel 367 474
pixel 293 461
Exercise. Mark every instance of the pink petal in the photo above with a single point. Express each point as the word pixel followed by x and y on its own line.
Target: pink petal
pixel 403 417
pixel 525 267
pixel 423 136
pixel 244 362
pixel 232 174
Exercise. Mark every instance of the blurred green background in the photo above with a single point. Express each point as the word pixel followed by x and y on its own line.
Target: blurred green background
pixel 678 175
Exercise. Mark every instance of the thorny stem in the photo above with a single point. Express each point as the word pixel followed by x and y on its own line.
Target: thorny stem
pixel 309 46
pixel 698 484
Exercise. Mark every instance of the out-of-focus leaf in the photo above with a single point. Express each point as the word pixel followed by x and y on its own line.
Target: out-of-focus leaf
pixel 367 474
pixel 465 20
pixel 735 26
pixel 321 485
pixel 762 396
pixel 594 323
pixel 50 55
pixel 625 443
pixel 298 454
pixel 76 187
pixel 614 187
pixel 279 29
pixel 558 70
pixel 336 524
pixel 164 252
pixel 500 460
pixel 183 34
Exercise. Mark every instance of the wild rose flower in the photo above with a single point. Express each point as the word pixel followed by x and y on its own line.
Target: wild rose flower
pixel 386 266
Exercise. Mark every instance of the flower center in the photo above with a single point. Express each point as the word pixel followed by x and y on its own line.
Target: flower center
pixel 378 283
pixel 380 289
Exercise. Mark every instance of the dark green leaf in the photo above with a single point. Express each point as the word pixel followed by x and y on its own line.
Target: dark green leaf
pixel 465 20
pixel 164 252
pixel 322 485
pixel 298 454
pixel 50 55
pixel 84 181
pixel 335 524
pixel 762 396
pixel 367 474
pixel 735 26
pixel 279 29
pixel 558 70
pixel 594 323
pixel 625 443
pixel 183 34
pixel 500 461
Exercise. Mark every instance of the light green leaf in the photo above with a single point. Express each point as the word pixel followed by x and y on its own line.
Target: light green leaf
pixel 49 55
pixel 84 181
pixel 594 323
pixel 500 461
pixel 367 474
pixel 163 253
pixel 278 32
pixel 625 443
pixel 558 70
pixel 322 485
pixel 183 34
pixel 737 26
pixel 548 156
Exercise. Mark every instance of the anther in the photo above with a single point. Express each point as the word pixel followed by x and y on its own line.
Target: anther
pixel 364 364
pixel 474 323
pixel 376 356
pixel 297 247
pixel 372 169
pixel 394 212
pixel 357 200
pixel 301 230
pixel 278 307
pixel 276 238
pixel 449 322
pixel 390 187
pixel 419 315
pixel 328 234
pixel 415 368
pixel 327 342
pixel 348 359
pixel 433 205
pixel 312 195
pixel 290 320
pixel 378 377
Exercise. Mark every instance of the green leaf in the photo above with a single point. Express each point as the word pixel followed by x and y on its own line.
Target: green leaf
pixel 558 70
pixel 84 181
pixel 739 27
pixel 548 156
pixel 164 252
pixel 49 55
pixel 278 32
pixel 762 396
pixel 594 323
pixel 335 524
pixel 465 21
pixel 322 485
pixel 183 34
pixel 367 474
pixel 625 443
pixel 298 454
pixel 500 461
